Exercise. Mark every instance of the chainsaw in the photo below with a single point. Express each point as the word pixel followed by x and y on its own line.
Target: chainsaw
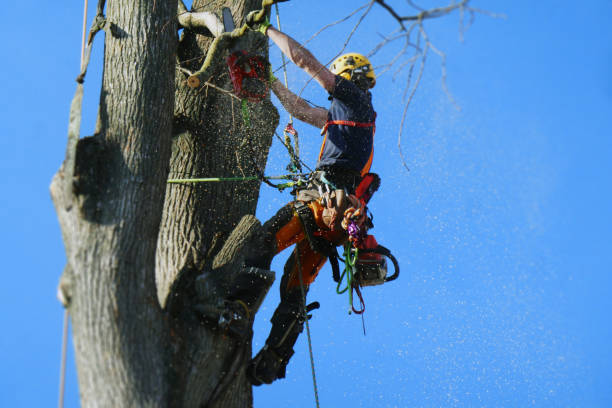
pixel 248 72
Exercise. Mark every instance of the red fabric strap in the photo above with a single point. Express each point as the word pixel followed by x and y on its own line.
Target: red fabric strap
pixel 368 165
pixel 346 123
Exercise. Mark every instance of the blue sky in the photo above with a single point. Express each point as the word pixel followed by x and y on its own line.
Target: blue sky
pixel 501 226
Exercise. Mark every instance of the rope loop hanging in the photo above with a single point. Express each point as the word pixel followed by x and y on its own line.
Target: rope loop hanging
pixel 351 255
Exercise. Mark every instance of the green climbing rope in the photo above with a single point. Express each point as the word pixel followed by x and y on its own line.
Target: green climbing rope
pixel 350 259
pixel 297 180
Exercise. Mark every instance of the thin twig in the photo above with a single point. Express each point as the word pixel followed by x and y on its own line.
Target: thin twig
pixel 348 39
pixel 443 67
pixel 415 6
pixel 385 41
pixel 392 12
pixel 369 3
pixel 325 28
pixel 414 88
pixel 225 91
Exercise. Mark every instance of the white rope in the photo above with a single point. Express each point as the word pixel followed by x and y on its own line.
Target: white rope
pixel 283 56
pixel 63 360
pixel 62 382
pixel 297 249
pixel 84 33
pixel 295 139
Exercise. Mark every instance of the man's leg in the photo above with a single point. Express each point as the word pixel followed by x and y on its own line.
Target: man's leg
pixel 288 319
pixel 280 232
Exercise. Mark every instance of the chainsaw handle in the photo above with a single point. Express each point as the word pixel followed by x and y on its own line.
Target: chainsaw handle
pixel 395 266
pixel 385 252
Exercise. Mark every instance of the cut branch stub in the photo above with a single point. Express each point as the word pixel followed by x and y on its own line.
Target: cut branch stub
pixel 220 42
pixel 224 40
pixel 193 81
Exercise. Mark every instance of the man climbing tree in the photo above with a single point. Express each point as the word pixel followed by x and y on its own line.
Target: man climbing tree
pixel 316 220
pixel 146 259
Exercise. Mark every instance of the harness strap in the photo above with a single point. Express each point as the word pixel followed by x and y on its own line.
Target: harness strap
pixel 351 123
pixel 310 227
pixel 347 123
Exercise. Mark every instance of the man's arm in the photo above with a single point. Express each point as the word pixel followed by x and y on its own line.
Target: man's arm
pixel 303 58
pixel 298 107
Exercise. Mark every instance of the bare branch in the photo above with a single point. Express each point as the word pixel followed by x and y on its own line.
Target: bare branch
pixel 368 4
pixel 414 5
pixel 443 67
pixel 393 13
pixel 411 29
pixel 425 14
pixel 414 88
pixel 348 39
pixel 200 19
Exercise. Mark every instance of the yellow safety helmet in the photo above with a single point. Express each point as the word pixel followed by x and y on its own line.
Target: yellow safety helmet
pixel 350 64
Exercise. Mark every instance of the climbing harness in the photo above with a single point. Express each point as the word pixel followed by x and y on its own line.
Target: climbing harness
pixel 364 259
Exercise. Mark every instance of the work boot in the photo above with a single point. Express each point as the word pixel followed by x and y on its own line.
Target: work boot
pixel 271 361
pixel 267 366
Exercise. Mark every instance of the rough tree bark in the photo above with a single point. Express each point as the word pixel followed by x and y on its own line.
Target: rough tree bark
pixel 146 258
pixel 134 244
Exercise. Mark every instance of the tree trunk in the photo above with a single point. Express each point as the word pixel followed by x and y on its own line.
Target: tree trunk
pixel 210 139
pixel 135 244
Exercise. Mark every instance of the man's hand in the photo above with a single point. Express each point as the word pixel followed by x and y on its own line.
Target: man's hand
pixel 257 20
pixel 268 3
pixel 257 24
